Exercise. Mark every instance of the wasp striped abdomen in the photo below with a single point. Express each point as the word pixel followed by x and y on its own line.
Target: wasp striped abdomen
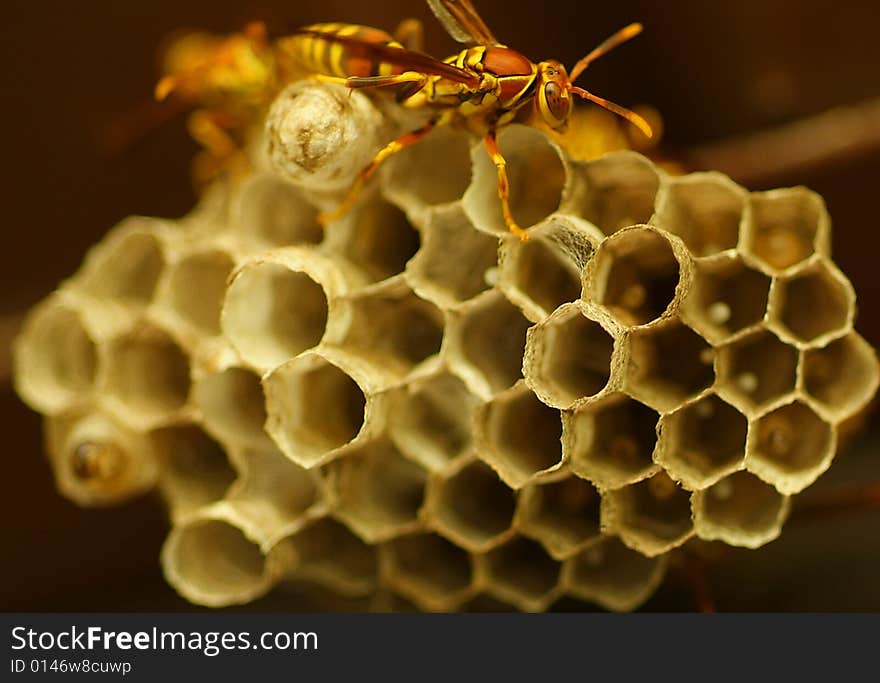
pixel 323 56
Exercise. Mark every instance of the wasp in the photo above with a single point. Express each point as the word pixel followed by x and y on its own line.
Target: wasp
pixel 483 87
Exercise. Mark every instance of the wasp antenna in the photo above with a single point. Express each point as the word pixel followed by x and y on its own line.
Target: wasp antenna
pixel 630 116
pixel 165 87
pixel 607 45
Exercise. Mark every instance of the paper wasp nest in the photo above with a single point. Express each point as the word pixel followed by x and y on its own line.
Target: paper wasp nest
pixel 418 404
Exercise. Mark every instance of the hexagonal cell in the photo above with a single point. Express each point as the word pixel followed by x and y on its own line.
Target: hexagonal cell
pixel 568 357
pixel 530 157
pixel 380 491
pixel 787 226
pixel 212 561
pixel 194 470
pixel 543 273
pixel 471 506
pixel 196 288
pixel 431 420
pixel 455 260
pixel 740 510
pixel 271 212
pixel 842 376
pixel 621 189
pixel 726 297
pixel 635 275
pixel 705 210
pixel 274 312
pixel 756 370
pixel 98 461
pixel 612 575
pixel 668 365
pixel 276 493
pixel 127 265
pixel 702 441
pixel 435 171
pixel 814 304
pixel 563 516
pixel 652 516
pixel 232 404
pixel 377 237
pixel 519 436
pixel 327 553
pixel 54 357
pixel 429 570
pixel 486 344
pixel 520 572
pixel 790 447
pixel 391 328
pixel 314 407
pixel 146 376
pixel 611 442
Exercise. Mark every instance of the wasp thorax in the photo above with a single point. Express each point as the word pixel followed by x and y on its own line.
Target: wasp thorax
pixel 553 101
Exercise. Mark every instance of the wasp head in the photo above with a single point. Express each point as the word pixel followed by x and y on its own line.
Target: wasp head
pixel 553 100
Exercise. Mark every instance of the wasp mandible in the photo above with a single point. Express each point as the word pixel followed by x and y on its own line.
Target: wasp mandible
pixel 483 87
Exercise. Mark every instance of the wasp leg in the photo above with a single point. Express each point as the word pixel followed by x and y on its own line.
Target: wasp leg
pixel 390 149
pixel 208 128
pixel 411 34
pixel 376 81
pixel 503 184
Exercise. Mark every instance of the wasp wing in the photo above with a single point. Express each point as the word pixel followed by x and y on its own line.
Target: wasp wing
pixel 462 22
pixel 398 56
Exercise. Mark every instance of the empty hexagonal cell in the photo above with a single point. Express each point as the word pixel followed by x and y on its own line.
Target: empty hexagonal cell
pixel 55 357
pixel 740 510
pixel 146 375
pixel 702 441
pixel 620 191
pixel 196 287
pixel 705 210
pixel 756 370
pixel 521 573
pixel 790 447
pixel 613 575
pixel 652 516
pixel 486 344
pixel 668 365
pixel 276 493
pixel 787 226
pixel 274 311
pixel 430 421
pixel 635 275
pixel 843 376
pixel 97 460
pixel 314 408
pixel 435 171
pixel 543 273
pixel 232 404
pixel 611 442
pixel 568 357
pixel 813 304
pixel 193 469
pixel 391 328
pixel 429 570
pixel 519 435
pixel 563 516
pixel 271 212
pixel 212 561
pixel 455 262
pixel 377 237
pixel 328 553
pixel 127 265
pixel 380 492
pixel 537 178
pixel 725 298
pixel 471 506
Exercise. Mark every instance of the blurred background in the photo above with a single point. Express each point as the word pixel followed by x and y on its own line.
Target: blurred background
pixel 721 74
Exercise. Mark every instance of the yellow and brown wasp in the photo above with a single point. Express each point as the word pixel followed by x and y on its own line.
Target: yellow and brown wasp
pixel 482 88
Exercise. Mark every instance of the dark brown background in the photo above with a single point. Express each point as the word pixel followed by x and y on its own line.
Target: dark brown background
pixel 714 69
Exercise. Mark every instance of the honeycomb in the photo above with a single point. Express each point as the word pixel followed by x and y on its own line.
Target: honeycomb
pixel 418 408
